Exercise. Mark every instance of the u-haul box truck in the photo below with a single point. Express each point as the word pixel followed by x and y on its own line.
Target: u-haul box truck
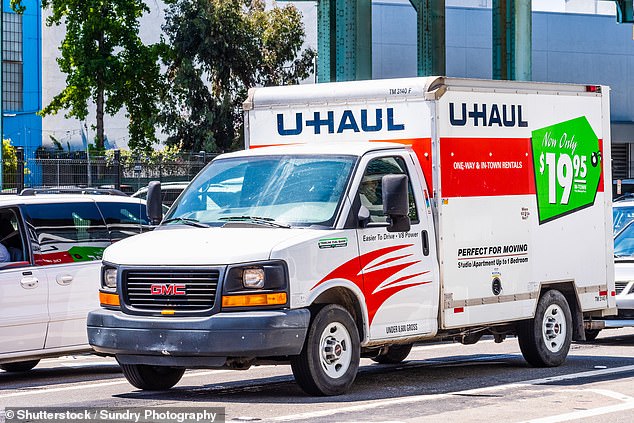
pixel 366 216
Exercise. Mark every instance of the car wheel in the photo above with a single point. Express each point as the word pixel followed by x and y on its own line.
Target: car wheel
pixel 152 378
pixel 20 366
pixel 330 357
pixel 591 334
pixel 394 354
pixel 545 339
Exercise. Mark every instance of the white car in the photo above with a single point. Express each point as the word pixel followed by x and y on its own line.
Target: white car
pixel 51 280
pixel 169 192
pixel 622 211
pixel 624 271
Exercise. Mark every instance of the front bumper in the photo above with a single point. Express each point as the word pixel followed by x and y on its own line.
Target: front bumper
pixel 197 341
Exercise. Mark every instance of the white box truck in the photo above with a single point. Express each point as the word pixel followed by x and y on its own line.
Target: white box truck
pixel 366 216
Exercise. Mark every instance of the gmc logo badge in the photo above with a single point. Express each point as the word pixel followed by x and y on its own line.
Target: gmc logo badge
pixel 167 289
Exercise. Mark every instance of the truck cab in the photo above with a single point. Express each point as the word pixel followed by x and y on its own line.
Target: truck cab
pixel 349 225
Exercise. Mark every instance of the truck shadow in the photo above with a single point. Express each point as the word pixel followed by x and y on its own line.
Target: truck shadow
pixel 447 375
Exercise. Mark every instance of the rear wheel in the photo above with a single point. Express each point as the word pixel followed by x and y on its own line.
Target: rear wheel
pixel 394 354
pixel 329 361
pixel 20 366
pixel 545 340
pixel 152 378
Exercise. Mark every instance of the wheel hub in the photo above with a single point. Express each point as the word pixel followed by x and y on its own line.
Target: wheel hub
pixel 332 350
pixel 554 328
pixel 335 350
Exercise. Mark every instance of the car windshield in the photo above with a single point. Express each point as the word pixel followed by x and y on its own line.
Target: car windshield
pixel 280 191
pixel 624 242
pixel 621 216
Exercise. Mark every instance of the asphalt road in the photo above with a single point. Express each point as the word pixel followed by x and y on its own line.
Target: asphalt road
pixel 447 382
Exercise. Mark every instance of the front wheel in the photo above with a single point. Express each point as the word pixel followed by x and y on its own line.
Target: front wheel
pixel 394 354
pixel 591 334
pixel 20 366
pixel 152 378
pixel 545 340
pixel 330 357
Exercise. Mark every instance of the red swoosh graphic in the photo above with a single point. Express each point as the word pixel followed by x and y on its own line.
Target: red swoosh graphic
pixel 351 270
pixel 388 261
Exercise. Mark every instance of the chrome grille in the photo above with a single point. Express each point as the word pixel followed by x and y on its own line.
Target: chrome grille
pixel 620 286
pixel 188 290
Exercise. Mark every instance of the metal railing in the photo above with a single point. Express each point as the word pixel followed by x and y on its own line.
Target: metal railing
pixel 77 169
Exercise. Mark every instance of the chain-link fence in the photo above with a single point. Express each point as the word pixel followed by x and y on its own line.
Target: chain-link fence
pixel 80 170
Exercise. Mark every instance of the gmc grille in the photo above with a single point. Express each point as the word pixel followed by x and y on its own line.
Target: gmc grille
pixel 187 290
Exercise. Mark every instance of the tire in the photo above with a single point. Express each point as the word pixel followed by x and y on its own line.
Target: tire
pixel 152 378
pixel 330 357
pixel 20 366
pixel 591 334
pixel 545 340
pixel 394 354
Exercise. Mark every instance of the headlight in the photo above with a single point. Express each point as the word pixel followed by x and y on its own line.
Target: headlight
pixel 256 285
pixel 253 278
pixel 109 278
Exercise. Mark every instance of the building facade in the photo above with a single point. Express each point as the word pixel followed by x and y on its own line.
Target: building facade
pixel 577 41
pixel 22 74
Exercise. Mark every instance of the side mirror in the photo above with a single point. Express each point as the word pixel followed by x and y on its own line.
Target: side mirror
pixel 396 202
pixel 154 205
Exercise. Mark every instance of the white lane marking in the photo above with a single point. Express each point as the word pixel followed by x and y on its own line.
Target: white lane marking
pixel 582 414
pixel 605 392
pixel 33 391
pixel 434 397
pixel 89 364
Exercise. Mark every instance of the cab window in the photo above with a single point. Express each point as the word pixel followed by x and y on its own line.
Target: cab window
pixel 370 190
pixel 66 232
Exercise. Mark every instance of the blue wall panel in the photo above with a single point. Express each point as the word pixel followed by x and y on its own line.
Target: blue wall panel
pixel 567 47
pixel 24 127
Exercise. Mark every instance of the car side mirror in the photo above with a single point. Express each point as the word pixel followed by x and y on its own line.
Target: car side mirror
pixel 154 205
pixel 396 202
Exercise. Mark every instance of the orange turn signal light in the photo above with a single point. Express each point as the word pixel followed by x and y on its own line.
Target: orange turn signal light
pixel 108 299
pixel 252 300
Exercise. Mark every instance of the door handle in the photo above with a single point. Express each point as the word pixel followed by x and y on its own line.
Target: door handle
pixel 64 279
pixel 29 282
pixel 425 243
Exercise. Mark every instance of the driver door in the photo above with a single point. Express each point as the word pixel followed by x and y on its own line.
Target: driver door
pixel 399 273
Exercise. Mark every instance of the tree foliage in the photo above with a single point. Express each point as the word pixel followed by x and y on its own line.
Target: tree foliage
pixel 218 50
pixel 106 62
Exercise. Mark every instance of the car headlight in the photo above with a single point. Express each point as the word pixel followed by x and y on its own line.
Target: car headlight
pixel 108 296
pixel 256 284
pixel 253 278
pixel 109 278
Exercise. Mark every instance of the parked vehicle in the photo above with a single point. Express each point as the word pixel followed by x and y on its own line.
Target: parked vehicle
pixel 169 192
pixel 50 278
pixel 487 213
pixel 622 211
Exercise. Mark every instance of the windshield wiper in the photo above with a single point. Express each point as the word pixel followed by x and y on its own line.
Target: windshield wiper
pixel 187 221
pixel 266 221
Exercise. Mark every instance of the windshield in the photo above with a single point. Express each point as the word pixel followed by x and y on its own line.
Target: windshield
pixel 624 242
pixel 621 215
pixel 285 190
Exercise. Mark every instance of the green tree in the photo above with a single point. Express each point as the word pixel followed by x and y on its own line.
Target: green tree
pixel 106 62
pixel 9 163
pixel 218 50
